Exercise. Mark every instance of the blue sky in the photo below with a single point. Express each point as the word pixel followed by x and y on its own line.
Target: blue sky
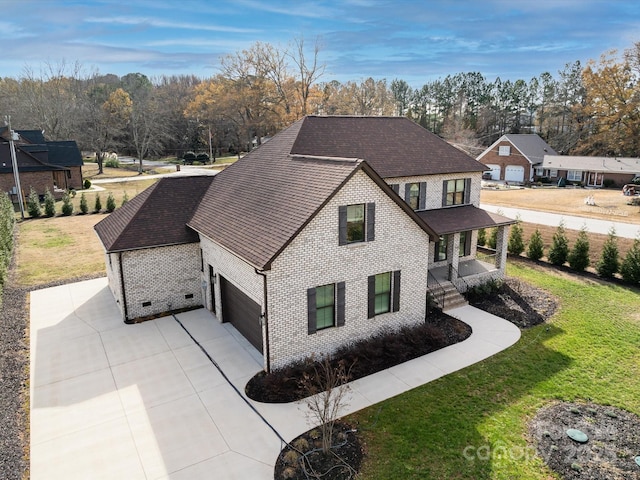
pixel 414 40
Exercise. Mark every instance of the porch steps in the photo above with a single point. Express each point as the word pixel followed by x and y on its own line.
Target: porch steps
pixel 452 298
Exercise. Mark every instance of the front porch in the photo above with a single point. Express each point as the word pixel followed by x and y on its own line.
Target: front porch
pixel 473 271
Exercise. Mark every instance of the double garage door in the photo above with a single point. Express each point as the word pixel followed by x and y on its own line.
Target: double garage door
pixel 512 173
pixel 242 312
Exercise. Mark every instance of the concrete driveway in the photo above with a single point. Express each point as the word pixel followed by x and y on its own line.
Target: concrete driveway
pixel 110 400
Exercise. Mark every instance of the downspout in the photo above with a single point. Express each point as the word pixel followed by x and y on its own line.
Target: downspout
pixel 265 317
pixel 124 295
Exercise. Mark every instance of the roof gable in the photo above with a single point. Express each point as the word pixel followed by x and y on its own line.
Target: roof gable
pixel 393 146
pixel 530 145
pixel 156 217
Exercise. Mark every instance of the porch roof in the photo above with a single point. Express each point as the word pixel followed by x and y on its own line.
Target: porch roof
pixel 444 221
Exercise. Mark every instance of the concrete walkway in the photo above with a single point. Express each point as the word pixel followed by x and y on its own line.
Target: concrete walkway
pixel 110 400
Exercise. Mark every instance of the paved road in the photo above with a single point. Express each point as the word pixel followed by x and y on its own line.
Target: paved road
pixel 626 230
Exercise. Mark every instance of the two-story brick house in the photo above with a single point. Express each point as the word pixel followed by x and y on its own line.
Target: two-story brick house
pixel 331 231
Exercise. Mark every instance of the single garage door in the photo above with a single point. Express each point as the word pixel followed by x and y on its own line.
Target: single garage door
pixel 514 173
pixel 495 171
pixel 242 312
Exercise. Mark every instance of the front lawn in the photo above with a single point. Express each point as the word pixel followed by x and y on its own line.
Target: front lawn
pixel 473 424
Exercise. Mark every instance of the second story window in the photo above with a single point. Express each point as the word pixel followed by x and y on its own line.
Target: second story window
pixel 415 195
pixel 356 223
pixel 456 192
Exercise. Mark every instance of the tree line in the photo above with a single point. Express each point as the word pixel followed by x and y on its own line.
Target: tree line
pixel 590 110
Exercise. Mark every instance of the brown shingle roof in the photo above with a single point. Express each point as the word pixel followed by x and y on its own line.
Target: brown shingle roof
pixel 256 206
pixel 393 146
pixel 155 217
pixel 463 218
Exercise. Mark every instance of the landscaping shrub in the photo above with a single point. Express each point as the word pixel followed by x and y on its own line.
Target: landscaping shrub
pixel 493 238
pixel 608 183
pixel 7 224
pixel 67 205
pixel 535 249
pixel 609 262
pixel 125 199
pixel 579 256
pixel 111 203
pixel 49 204
pixel 630 268
pixel 97 206
pixel 482 237
pixel 84 207
pixel 86 184
pixel 559 250
pixel 515 245
pixel 482 290
pixel 112 162
pixel 33 204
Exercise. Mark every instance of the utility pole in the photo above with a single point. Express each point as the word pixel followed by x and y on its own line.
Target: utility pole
pixel 16 175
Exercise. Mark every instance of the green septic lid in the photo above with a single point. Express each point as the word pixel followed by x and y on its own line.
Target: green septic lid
pixel 577 435
pixel 637 459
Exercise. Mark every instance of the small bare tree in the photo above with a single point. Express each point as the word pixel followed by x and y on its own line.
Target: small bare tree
pixel 327 386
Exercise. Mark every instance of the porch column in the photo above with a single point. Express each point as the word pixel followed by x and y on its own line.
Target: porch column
pixel 501 248
pixel 453 253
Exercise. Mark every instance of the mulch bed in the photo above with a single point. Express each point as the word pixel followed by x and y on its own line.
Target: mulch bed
pixel 303 458
pixel 362 358
pixel 613 441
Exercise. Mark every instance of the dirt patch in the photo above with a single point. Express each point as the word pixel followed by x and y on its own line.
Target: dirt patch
pixel 304 459
pixel 610 451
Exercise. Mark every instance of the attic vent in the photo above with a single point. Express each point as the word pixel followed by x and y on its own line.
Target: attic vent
pixel 188 295
pixel 326 159
pixel 146 304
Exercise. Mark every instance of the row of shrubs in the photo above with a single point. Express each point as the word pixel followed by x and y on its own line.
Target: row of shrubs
pixel 36 209
pixel 577 256
pixel 7 222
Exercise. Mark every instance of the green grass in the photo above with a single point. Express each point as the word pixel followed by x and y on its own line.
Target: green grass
pixel 588 351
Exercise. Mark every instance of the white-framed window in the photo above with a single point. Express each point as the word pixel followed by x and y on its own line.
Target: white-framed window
pixel 553 173
pixel 574 175
pixel 539 171
pixel 504 150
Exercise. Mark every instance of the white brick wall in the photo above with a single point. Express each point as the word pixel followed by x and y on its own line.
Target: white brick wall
pixel 434 186
pixel 314 258
pixel 162 276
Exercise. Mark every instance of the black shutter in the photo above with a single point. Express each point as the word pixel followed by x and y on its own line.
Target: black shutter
pixel 407 192
pixel 371 222
pixel 311 311
pixel 396 291
pixel 422 200
pixel 467 190
pixel 395 187
pixel 340 300
pixel 342 225
pixel 444 193
pixel 371 297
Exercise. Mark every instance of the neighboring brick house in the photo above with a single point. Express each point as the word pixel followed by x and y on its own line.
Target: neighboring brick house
pixel 589 171
pixel 514 157
pixel 42 164
pixel 304 244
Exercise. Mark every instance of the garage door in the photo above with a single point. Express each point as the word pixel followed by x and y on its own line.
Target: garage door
pixel 242 312
pixel 495 171
pixel 514 173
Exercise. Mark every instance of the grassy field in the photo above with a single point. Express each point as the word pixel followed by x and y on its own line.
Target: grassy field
pixel 473 424
pixel 609 204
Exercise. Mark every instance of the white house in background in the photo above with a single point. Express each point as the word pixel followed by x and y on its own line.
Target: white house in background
pixel 514 157
pixel 590 171
pixel 335 229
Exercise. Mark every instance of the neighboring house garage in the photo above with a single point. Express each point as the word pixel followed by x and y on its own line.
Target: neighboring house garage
pixel 514 173
pixel 495 171
pixel 242 312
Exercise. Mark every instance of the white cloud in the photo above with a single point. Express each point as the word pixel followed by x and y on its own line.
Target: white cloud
pixel 154 22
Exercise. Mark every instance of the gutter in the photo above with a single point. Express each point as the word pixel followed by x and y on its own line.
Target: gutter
pixel 265 318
